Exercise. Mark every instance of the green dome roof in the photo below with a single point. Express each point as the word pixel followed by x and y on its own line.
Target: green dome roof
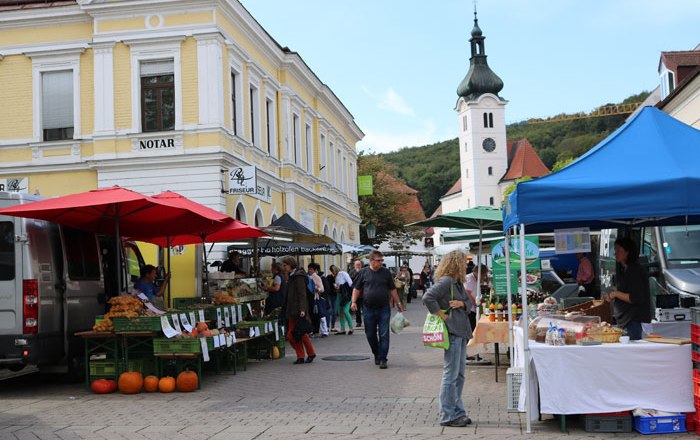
pixel 480 78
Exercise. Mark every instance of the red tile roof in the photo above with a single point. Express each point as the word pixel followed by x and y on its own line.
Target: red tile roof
pixel 412 210
pixel 456 188
pixel 683 63
pixel 523 161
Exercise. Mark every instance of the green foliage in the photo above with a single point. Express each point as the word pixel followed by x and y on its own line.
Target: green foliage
pixel 562 163
pixel 510 188
pixel 380 208
pixel 433 169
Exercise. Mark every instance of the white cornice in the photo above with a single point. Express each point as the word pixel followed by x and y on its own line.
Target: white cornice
pixel 42 17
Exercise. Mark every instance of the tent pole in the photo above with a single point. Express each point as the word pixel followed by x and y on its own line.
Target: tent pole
pixel 169 298
pixel 205 269
pixel 477 298
pixel 526 345
pixel 508 292
pixel 118 252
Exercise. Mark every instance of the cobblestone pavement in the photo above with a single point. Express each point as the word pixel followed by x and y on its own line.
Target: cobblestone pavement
pixel 275 399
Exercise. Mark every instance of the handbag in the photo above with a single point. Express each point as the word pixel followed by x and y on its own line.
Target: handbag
pixel 435 332
pixel 302 328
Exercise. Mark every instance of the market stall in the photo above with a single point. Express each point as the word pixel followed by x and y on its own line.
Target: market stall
pixel 644 174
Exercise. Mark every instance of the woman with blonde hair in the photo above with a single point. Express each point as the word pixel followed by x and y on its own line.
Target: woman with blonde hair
pixel 448 299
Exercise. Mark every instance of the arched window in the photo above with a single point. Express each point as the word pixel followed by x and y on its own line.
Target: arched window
pixel 490 120
pixel 240 213
pixel 491 201
pixel 486 120
pixel 273 218
pixel 490 171
pixel 258 218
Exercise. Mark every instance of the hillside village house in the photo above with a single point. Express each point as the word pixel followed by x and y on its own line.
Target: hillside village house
pixel 172 95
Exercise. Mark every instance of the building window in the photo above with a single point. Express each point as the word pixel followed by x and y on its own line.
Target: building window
pixel 464 123
pixel 466 147
pixel 339 172
pixel 490 120
pixel 331 165
pixel 466 173
pixel 490 171
pixel 234 103
pixel 57 105
pixel 486 120
pixel 295 139
pixel 323 166
pixel 491 201
pixel 268 124
pixel 344 185
pixel 157 96
pixel 254 116
pixel 309 150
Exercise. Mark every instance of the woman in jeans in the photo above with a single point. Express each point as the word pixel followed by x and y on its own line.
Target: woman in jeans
pixel 449 301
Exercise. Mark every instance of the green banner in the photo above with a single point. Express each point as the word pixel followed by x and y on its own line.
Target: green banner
pixel 532 261
pixel 364 185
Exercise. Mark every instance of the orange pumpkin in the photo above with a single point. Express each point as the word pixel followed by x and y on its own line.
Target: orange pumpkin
pixel 206 333
pixel 150 384
pixel 195 332
pixel 187 381
pixel 130 382
pixel 166 384
pixel 103 386
pixel 201 326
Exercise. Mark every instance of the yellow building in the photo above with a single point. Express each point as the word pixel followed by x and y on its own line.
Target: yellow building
pixel 173 95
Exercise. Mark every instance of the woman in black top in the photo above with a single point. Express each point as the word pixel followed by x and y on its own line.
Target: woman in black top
pixel 631 299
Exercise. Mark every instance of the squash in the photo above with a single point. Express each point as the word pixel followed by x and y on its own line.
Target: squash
pixel 194 333
pixel 202 326
pixel 103 386
pixel 275 352
pixel 166 384
pixel 150 384
pixel 206 333
pixel 130 382
pixel 187 381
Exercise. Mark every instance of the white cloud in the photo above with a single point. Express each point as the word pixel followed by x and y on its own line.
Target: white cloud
pixel 379 141
pixel 391 101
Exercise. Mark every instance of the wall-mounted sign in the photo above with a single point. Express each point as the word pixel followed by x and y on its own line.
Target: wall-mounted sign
pixel 243 181
pixel 571 241
pixel 18 184
pixel 156 144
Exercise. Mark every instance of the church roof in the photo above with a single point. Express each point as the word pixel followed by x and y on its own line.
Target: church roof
pixel 480 78
pixel 456 188
pixel 412 210
pixel 523 161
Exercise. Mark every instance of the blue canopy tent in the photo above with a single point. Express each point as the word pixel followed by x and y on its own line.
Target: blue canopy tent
pixel 646 173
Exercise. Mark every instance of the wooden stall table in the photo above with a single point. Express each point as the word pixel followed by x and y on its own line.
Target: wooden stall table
pixel 490 332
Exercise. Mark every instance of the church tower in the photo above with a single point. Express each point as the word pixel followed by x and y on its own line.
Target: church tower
pixel 482 129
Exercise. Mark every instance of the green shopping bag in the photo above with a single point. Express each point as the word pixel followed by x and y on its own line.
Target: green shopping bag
pixel 435 332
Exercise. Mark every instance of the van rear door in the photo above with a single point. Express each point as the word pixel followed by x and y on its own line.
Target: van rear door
pixel 10 283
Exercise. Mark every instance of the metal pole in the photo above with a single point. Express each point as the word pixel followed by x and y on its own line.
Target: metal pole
pixel 511 349
pixel 525 317
pixel 169 298
pixel 477 298
pixel 118 251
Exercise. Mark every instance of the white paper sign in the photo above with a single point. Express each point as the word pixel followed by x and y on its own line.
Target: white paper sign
pixel 201 315
pixel 227 318
pixel 250 310
pixel 222 340
pixel 251 332
pixel 148 305
pixel 185 322
pixel 205 349
pixel 233 336
pixel 229 341
pixel 219 324
pixel 277 331
pixel 176 322
pixel 240 312
pixel 192 320
pixel 233 315
pixel 165 326
pixel 216 342
pixel 257 331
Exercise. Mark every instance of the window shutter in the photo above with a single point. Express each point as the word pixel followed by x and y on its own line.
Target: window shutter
pixel 57 99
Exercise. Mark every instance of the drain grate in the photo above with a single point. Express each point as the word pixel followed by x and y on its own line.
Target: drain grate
pixel 345 357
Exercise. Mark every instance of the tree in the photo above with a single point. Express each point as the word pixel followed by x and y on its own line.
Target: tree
pixel 380 208
pixel 510 188
pixel 562 163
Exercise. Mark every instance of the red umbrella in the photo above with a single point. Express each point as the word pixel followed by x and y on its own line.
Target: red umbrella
pixel 116 211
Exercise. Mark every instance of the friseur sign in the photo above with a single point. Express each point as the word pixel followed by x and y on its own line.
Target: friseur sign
pixel 243 181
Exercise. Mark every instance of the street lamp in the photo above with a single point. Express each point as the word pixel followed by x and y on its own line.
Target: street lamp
pixel 371 231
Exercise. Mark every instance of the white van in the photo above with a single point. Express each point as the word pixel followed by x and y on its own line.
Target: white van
pixel 672 256
pixel 54 280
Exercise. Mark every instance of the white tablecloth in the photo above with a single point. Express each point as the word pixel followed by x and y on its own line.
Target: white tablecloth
pixel 611 377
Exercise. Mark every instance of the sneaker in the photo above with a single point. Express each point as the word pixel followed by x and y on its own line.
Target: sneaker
pixel 376 361
pixel 310 358
pixel 299 361
pixel 350 332
pixel 457 423
pixel 340 333
pixel 465 419
pixel 383 365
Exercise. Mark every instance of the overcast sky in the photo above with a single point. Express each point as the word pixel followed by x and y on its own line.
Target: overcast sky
pixel 396 64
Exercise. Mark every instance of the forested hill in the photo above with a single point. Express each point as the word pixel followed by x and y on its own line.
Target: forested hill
pixel 433 169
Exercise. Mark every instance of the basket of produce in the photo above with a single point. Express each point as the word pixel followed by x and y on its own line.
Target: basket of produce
pixel 599 308
pixel 605 333
pixel 120 307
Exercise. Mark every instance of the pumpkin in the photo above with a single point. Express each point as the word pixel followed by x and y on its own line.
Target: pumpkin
pixel 103 386
pixel 187 381
pixel 150 384
pixel 195 332
pixel 206 333
pixel 201 326
pixel 130 382
pixel 166 384
pixel 275 352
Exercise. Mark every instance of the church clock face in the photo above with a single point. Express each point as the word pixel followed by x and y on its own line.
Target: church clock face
pixel 489 145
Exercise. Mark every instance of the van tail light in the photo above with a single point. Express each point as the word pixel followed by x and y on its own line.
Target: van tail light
pixel 30 306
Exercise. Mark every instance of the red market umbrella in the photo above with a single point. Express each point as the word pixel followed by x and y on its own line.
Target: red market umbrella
pixel 115 211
